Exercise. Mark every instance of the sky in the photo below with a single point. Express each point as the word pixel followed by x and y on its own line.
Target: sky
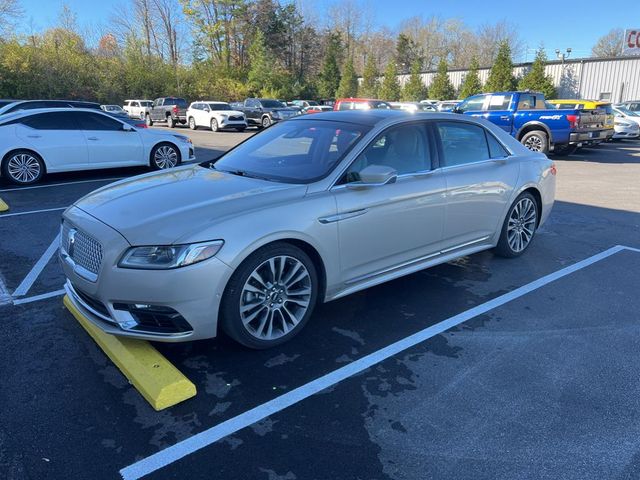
pixel 558 24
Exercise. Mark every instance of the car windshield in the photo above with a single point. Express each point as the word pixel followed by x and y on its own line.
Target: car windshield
pixel 146 104
pixel 293 151
pixel 628 112
pixel 219 106
pixel 272 104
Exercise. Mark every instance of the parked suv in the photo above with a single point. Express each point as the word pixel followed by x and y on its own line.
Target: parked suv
pixel 137 108
pixel 262 112
pixel 360 104
pixel 171 110
pixel 216 116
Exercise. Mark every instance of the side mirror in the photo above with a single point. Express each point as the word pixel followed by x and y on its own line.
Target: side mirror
pixel 127 128
pixel 375 176
pixel 456 110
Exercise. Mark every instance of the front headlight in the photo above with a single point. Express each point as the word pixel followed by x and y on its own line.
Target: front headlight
pixel 184 139
pixel 169 256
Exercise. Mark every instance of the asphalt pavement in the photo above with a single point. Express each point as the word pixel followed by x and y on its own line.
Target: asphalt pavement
pixel 542 384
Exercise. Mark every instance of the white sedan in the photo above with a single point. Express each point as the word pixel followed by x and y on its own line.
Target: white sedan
pixel 35 142
pixel 216 116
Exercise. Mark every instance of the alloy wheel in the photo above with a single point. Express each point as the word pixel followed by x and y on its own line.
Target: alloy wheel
pixel 534 143
pixel 24 168
pixel 165 157
pixel 522 224
pixel 275 297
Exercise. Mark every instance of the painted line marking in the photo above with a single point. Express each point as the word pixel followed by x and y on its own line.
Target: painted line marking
pixel 207 437
pixel 35 272
pixel 37 298
pixel 5 297
pixel 61 184
pixel 32 211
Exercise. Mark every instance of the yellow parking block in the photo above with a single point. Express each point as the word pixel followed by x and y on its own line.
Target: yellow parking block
pixel 157 380
pixel 3 206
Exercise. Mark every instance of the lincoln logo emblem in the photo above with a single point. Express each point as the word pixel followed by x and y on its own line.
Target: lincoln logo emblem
pixel 72 241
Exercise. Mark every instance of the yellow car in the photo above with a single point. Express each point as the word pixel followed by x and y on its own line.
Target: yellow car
pixel 603 108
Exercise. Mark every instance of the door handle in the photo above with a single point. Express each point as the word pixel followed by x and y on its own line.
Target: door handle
pixel 504 117
pixel 34 136
pixel 93 138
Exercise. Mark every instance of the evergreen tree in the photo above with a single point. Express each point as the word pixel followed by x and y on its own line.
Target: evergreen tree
pixel 441 87
pixel 501 75
pixel 471 83
pixel 414 90
pixel 330 75
pixel 536 79
pixel 390 88
pixel 349 82
pixel 407 52
pixel 261 71
pixel 369 86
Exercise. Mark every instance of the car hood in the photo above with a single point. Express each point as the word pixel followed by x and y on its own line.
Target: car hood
pixel 173 206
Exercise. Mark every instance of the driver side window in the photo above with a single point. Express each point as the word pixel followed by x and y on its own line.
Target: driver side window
pixel 406 149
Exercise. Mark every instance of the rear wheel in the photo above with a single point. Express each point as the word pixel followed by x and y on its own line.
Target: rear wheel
pixel 23 167
pixel 170 121
pixel 192 123
pixel 536 141
pixel 165 155
pixel 149 122
pixel 270 297
pixel 519 227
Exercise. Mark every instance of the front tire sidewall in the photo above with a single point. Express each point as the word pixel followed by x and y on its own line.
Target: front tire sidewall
pixel 154 165
pixel 214 125
pixel 230 320
pixel 170 122
pixel 4 168
pixel 266 122
pixel 503 248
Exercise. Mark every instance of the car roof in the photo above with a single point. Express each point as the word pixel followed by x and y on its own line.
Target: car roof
pixel 374 117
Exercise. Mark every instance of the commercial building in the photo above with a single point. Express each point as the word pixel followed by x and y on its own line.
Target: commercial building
pixel 614 79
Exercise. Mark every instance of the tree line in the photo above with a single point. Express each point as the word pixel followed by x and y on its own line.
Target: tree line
pixel 230 49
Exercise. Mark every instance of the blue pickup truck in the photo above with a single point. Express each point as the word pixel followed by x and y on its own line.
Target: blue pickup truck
pixel 528 118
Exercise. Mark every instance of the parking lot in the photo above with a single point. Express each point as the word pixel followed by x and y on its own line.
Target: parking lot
pixel 482 368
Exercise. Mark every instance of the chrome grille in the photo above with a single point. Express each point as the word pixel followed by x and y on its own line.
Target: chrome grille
pixel 236 118
pixel 84 250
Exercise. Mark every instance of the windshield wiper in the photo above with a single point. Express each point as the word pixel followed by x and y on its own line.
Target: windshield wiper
pixel 243 173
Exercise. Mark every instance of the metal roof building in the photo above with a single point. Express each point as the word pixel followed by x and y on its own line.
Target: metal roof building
pixel 615 79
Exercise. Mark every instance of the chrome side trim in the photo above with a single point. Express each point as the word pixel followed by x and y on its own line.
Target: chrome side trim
pixel 342 216
pixel 451 249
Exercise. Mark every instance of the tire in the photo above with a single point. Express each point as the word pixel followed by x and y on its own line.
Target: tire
pixel 266 122
pixel 165 155
pixel 564 150
pixel 148 120
pixel 517 224
pixel 214 125
pixel 536 141
pixel 171 123
pixel 192 124
pixel 258 308
pixel 23 167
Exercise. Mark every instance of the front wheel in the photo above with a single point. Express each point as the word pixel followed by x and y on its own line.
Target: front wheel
pixel 165 155
pixel 270 297
pixel 519 227
pixel 23 167
pixel 214 125
pixel 536 141
pixel 266 122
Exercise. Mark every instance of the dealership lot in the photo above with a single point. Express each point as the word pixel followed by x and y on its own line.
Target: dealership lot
pixel 542 386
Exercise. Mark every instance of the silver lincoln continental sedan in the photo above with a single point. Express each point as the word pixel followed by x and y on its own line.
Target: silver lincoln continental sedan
pixel 309 210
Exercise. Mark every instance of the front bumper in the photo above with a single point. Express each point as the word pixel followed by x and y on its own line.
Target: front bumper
pixel 627 132
pixel 233 124
pixel 111 302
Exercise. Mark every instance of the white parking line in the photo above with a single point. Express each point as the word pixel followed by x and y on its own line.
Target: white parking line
pixel 5 298
pixel 37 298
pixel 4 215
pixel 207 437
pixel 61 184
pixel 31 277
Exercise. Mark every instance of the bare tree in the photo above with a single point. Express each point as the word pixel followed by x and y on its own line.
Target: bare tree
pixel 169 25
pixel 10 12
pixel 609 45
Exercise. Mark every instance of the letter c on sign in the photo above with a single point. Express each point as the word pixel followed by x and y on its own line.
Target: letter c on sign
pixel 633 40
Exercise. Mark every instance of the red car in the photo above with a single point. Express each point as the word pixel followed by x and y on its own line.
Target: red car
pixel 317 109
pixel 360 104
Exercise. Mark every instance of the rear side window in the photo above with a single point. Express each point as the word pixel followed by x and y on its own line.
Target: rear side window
pixel 462 143
pixel 496 150
pixel 51 121
pixel 95 121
